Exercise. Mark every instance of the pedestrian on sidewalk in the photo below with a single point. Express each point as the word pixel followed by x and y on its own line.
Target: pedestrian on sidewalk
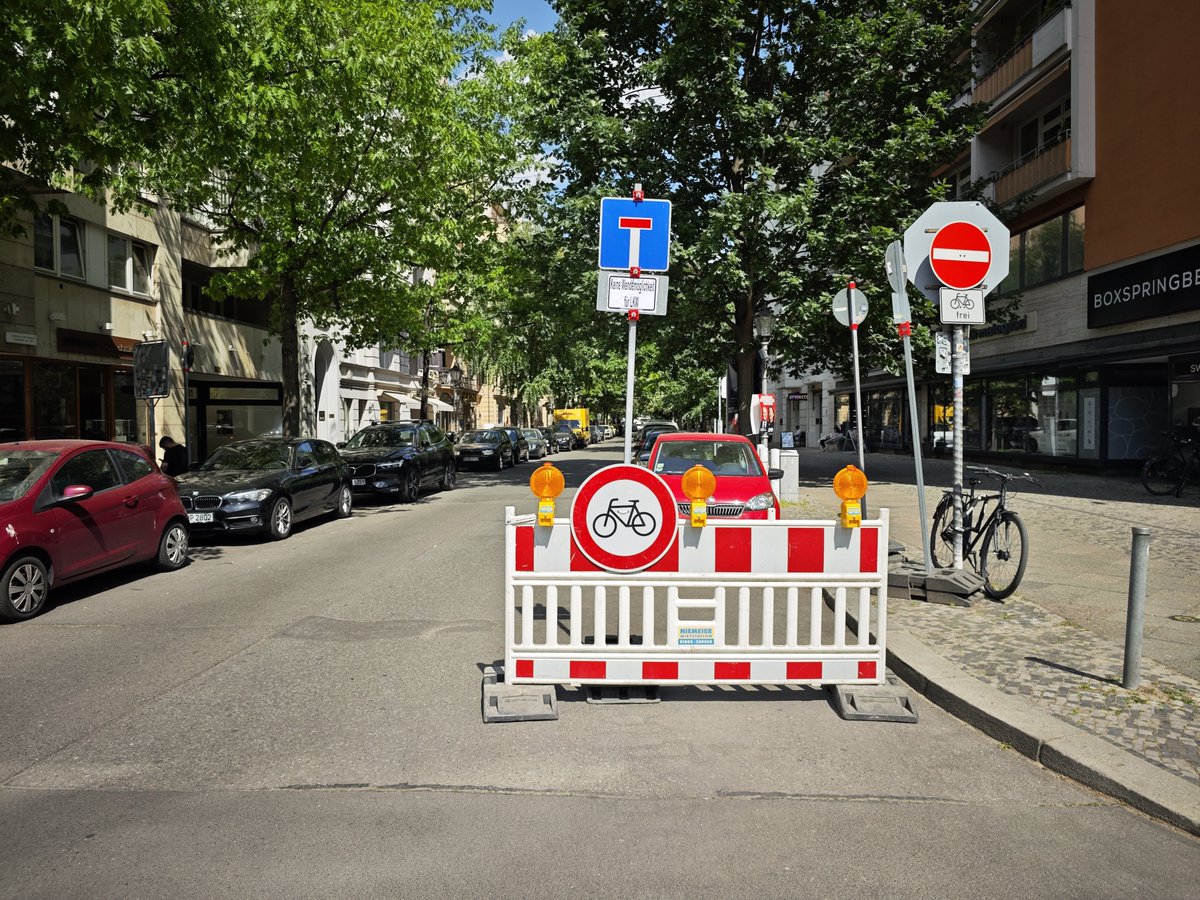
pixel 175 457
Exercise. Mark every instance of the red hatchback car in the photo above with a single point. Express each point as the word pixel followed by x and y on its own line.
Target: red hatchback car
pixel 70 509
pixel 743 487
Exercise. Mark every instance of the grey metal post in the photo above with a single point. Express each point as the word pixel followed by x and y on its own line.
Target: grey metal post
pixel 1135 613
pixel 633 320
pixel 858 400
pixel 912 410
pixel 956 375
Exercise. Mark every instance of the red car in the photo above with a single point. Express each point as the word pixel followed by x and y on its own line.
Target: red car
pixel 743 486
pixel 70 509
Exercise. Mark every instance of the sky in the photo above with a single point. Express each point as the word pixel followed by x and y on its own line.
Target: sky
pixel 537 14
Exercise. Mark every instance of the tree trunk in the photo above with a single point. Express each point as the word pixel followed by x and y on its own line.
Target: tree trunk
pixel 747 386
pixel 289 340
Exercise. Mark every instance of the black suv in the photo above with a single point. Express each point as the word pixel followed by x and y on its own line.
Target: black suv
pixel 399 458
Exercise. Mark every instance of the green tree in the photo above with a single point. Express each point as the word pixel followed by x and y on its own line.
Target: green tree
pixel 93 89
pixel 794 139
pixel 347 146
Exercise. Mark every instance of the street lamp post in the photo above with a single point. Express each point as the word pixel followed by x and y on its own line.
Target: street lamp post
pixel 764 324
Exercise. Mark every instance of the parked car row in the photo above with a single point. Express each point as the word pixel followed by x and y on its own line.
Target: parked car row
pixel 73 508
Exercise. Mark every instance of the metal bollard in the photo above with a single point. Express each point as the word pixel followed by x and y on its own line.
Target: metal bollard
pixel 1136 610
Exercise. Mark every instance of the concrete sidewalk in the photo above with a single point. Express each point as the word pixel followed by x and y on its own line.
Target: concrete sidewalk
pixel 1041 671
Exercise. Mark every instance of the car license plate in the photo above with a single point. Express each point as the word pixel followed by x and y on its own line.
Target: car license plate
pixel 358 482
pixel 199 518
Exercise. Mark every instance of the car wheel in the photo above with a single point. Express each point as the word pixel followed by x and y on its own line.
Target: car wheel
pixel 345 503
pixel 279 525
pixel 23 589
pixel 500 461
pixel 173 548
pixel 449 477
pixel 412 485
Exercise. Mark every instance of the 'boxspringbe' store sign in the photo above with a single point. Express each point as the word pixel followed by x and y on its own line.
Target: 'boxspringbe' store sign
pixel 1165 284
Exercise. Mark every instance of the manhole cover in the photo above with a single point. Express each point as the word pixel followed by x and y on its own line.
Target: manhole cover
pixel 1192 619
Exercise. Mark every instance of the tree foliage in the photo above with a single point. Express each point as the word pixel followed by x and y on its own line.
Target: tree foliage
pixel 351 146
pixel 795 141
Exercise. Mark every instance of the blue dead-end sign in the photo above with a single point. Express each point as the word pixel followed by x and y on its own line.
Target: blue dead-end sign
pixel 635 234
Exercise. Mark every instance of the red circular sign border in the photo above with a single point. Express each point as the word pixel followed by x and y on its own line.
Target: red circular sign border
pixel 987 268
pixel 596 554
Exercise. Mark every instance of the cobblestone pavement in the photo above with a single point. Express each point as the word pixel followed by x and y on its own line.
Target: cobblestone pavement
pixel 1059 641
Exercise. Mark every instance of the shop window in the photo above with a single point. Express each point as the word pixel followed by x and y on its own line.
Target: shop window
pixel 55 401
pixel 129 264
pixel 58 245
pixel 125 407
pixel 1056 408
pixel 93 403
pixel 12 400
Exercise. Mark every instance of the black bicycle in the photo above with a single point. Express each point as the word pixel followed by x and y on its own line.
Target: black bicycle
pixel 1169 473
pixel 989 526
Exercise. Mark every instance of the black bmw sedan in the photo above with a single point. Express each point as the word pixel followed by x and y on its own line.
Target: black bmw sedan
pixel 266 485
pixel 400 458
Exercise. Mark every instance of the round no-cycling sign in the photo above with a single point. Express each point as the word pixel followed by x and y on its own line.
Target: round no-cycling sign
pixel 624 518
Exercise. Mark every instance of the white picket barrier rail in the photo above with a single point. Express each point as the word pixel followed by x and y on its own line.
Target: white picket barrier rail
pixel 730 603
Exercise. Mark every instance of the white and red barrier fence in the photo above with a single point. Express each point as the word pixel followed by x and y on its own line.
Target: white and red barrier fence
pixel 729 603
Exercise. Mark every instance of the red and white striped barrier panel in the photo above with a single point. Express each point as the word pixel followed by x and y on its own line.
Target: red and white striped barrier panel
pixel 729 603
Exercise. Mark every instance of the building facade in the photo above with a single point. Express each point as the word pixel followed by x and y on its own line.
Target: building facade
pixel 1088 153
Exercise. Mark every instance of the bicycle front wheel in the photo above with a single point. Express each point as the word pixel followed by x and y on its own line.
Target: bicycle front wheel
pixel 1005 552
pixel 1162 474
pixel 941 538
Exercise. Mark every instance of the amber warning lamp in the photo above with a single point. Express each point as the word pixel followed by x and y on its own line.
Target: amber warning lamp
pixel 546 483
pixel 698 485
pixel 850 485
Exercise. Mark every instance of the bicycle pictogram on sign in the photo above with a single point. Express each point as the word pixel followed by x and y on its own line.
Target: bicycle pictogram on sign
pixel 625 515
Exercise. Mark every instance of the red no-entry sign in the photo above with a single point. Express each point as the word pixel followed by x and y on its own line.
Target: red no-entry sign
pixel 960 255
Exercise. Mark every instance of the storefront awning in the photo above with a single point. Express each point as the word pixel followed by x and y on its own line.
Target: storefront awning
pixel 438 405
pixel 403 399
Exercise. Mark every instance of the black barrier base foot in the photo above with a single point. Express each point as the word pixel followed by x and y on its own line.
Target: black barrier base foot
pixel 517 702
pixel 950 587
pixel 647 693
pixel 872 703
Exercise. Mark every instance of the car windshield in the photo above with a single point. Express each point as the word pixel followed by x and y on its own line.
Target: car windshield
pixel 250 456
pixel 563 427
pixel 532 433
pixel 19 469
pixel 403 436
pixel 719 457
pixel 481 437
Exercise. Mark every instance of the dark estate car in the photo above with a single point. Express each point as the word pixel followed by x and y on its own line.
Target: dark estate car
pixel 76 508
pixel 266 485
pixel 567 437
pixel 400 458
pixel 489 447
pixel 551 439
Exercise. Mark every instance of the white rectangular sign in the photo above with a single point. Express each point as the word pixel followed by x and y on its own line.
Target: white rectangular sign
pixel 620 293
pixel 961 307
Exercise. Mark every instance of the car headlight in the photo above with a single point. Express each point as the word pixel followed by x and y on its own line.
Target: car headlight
pixel 761 501
pixel 390 464
pixel 488 452
pixel 257 496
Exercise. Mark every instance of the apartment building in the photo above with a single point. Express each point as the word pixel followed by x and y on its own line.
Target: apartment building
pixel 1089 151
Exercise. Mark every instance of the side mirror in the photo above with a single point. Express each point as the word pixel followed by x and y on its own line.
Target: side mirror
pixel 775 474
pixel 74 492
pixel 341 444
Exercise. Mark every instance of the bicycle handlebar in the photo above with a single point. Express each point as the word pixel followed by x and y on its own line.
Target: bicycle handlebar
pixel 1003 477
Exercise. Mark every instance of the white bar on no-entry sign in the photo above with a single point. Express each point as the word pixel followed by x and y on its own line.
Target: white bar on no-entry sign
pixel 961 255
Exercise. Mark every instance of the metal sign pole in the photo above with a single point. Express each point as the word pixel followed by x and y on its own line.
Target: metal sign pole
pixel 150 426
pixel 897 271
pixel 956 375
pixel 633 320
pixel 854 320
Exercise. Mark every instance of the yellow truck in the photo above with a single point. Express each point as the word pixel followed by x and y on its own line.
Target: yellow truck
pixel 577 420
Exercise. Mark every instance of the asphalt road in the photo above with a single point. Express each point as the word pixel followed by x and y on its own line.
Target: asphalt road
pixel 302 720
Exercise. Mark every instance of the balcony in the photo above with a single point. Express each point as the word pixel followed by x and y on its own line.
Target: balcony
pixel 1030 53
pixel 1031 171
